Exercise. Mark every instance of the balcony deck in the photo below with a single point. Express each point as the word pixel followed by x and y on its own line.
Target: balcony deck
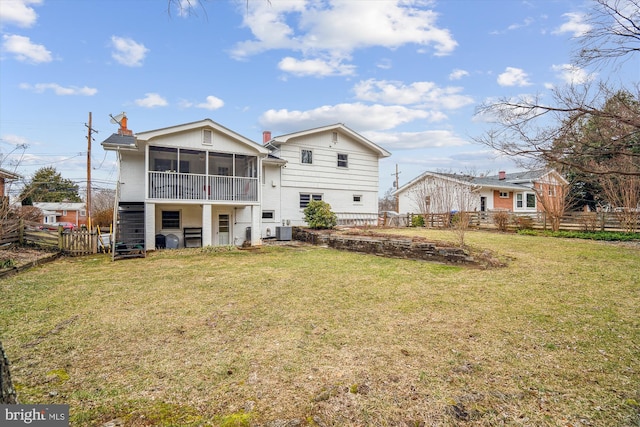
pixel 215 188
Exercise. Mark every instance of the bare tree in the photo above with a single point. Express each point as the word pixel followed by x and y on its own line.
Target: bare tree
pixel 535 131
pixel 623 195
pixel 553 196
pixel 614 32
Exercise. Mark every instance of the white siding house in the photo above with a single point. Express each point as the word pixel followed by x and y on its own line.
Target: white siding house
pixel 331 163
pixel 202 184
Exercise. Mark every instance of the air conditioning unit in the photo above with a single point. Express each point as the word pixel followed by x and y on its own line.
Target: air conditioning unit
pixel 283 233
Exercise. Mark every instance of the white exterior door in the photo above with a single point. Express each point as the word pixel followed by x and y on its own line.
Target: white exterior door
pixel 224 228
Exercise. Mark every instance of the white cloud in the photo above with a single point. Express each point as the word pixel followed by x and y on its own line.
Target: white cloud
pixel 513 77
pixel 575 24
pixel 19 12
pixel 25 50
pixel 127 51
pixel 315 67
pixel 457 74
pixel 357 116
pixel 151 100
pixel 426 94
pixel 416 140
pixel 572 74
pixel 212 103
pixel 59 90
pixel 329 30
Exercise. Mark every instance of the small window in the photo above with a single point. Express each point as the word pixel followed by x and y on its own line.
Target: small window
pixel 519 200
pixel 343 160
pixel 170 219
pixel 83 212
pixel 307 156
pixel 504 195
pixel 306 198
pixel 207 137
pixel 64 213
pixel 268 215
pixel 334 137
pixel 357 198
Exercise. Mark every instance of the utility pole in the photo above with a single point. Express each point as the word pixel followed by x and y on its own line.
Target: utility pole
pixel 90 130
pixel 396 184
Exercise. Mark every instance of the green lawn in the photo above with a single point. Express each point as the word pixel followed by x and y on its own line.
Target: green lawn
pixel 313 336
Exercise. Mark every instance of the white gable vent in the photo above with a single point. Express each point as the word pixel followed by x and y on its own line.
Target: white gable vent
pixel 207 137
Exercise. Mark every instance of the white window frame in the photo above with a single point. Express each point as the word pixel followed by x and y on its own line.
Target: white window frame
pixel 309 197
pixel 302 157
pixel 162 219
pixel 271 216
pixel 345 160
pixel 334 137
pixel 357 198
pixel 207 137
pixel 503 194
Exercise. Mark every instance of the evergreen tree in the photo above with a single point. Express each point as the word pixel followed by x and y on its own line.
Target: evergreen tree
pixel 47 185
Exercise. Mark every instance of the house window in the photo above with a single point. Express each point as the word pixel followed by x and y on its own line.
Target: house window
pixel 343 160
pixel 334 137
pixel 83 212
pixel 207 137
pixel 306 198
pixel 357 198
pixel 170 219
pixel 307 156
pixel 529 198
pixel 504 195
pixel 268 215
pixel 552 191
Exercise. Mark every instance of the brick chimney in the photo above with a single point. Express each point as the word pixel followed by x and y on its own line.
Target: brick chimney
pixel 266 136
pixel 502 175
pixel 123 127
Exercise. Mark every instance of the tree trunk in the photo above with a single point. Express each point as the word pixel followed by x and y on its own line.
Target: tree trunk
pixel 7 392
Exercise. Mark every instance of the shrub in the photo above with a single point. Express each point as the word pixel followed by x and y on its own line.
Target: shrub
pixel 318 215
pixel 417 221
pixel 523 222
pixel 501 220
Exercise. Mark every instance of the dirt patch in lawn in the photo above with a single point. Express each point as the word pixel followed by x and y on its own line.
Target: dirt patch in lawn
pixel 17 258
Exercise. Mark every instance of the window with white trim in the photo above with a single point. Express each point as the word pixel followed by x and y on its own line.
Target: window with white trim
pixel 357 198
pixel 334 137
pixel 207 137
pixel 268 215
pixel 170 220
pixel 305 198
pixel 306 156
pixel 343 160
pixel 528 198
pixel 504 194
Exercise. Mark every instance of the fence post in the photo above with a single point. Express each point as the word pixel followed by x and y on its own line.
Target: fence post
pixel 21 226
pixel 60 237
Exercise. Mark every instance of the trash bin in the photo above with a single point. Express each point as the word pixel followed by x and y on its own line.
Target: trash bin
pixel 161 241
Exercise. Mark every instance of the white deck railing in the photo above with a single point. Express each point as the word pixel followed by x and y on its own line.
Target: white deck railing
pixel 187 186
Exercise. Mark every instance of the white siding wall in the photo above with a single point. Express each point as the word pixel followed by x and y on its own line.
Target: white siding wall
pixel 338 185
pixel 271 199
pixel 193 140
pixel 132 177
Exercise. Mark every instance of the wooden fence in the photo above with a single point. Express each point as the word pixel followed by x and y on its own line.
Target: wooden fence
pixel 572 221
pixel 70 242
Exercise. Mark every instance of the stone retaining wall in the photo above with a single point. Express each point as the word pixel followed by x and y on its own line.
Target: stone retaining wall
pixel 388 247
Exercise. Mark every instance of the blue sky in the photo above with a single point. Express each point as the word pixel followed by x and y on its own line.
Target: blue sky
pixel 406 74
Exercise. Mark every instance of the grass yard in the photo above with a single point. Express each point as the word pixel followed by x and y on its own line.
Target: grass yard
pixel 309 336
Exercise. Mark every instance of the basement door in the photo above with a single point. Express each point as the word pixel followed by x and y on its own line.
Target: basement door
pixel 223 229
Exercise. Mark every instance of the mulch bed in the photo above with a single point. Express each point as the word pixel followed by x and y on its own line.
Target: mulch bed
pixel 14 259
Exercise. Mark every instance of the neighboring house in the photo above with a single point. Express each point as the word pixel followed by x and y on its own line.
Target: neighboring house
pixel 5 177
pixel 201 184
pixel 444 192
pixel 331 163
pixel 62 212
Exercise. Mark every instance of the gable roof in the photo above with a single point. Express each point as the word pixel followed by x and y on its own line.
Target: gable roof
pixel 59 206
pixel 206 123
pixel 283 139
pixel 9 175
pixel 513 181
